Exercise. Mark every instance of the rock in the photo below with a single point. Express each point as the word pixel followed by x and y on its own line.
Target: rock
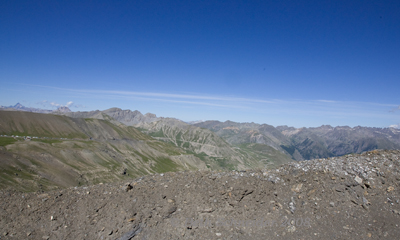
pixel 170 211
pixel 44 195
pixel 297 187
pixel 292 208
pixel 207 210
pixel 332 204
pixel 291 229
pixel 358 180
pixel 127 187
pixel 311 192
pixel 340 188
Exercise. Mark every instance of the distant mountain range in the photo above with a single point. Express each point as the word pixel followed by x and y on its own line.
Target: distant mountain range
pixel 20 107
pixel 307 143
pixel 295 143
pixel 248 141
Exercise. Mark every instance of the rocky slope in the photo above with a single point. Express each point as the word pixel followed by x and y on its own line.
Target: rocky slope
pixel 349 197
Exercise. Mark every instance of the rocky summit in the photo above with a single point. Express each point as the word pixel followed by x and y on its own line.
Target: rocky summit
pixel 349 197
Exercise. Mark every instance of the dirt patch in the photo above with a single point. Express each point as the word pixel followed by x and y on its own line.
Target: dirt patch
pixel 354 196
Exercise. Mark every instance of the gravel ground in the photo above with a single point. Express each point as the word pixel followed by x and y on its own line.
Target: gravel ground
pixel 349 197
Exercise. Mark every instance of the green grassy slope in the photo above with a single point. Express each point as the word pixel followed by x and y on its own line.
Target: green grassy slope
pixel 70 152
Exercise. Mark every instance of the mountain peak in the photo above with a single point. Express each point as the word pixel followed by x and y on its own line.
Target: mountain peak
pixel 63 109
pixel 150 115
pixel 18 106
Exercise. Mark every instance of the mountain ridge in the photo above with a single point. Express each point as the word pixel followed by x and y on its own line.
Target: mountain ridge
pixel 296 143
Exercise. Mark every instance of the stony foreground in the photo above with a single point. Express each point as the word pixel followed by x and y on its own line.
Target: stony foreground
pixel 350 197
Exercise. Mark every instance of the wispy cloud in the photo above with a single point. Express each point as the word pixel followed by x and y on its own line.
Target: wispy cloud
pixel 69 104
pixel 326 101
pixel 395 109
pixel 195 99
pixel 48 104
pixel 287 107
pixel 163 95
pixel 395 126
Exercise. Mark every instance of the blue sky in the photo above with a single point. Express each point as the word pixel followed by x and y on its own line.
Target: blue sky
pixel 296 63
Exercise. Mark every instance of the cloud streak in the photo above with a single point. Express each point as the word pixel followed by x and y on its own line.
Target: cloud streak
pixel 220 101
pixel 395 109
pixel 161 95
pixel 69 104
pixel 270 108
pixel 214 100
pixel 194 99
